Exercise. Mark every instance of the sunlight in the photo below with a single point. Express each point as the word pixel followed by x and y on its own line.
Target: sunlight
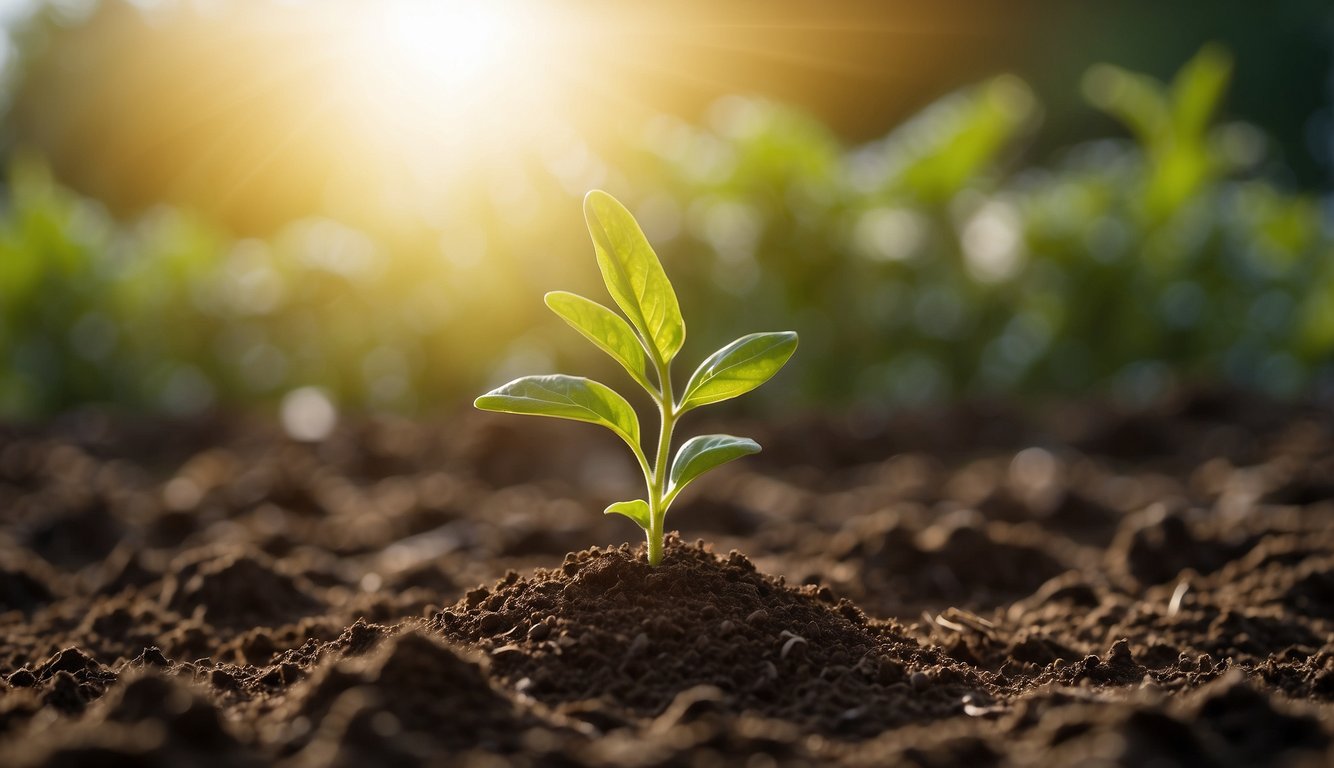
pixel 421 77
pixel 455 49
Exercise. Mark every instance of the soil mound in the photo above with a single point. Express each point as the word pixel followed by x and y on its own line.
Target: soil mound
pixel 240 590
pixel 412 684
pixel 150 720
pixel 608 631
pixel 22 591
pixel 898 563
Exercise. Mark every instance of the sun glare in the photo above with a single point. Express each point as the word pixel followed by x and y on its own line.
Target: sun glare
pixel 455 49
pixel 423 78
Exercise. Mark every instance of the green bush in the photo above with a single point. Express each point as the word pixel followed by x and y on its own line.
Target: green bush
pixel 927 265
pixel 933 263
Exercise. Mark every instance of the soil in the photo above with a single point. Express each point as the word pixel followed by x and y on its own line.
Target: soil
pixel 971 586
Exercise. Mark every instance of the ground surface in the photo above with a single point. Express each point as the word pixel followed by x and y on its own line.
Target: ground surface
pixel 965 587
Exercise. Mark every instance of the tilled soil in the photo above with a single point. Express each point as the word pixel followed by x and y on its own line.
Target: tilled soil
pixel 973 586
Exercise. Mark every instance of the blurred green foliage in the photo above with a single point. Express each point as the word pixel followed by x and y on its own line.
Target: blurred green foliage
pixel 930 264
pixel 168 314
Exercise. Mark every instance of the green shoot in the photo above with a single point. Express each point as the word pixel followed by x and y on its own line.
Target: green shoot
pixel 645 346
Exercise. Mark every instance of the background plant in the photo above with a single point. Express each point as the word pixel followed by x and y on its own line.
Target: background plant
pixel 650 342
pixel 939 261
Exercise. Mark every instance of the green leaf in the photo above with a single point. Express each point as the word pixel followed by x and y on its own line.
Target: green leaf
pixel 738 368
pixel 634 276
pixel 604 328
pixel 566 397
pixel 1138 101
pixel 1197 90
pixel 700 454
pixel 636 510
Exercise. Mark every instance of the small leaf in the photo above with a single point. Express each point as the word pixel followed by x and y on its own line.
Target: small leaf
pixel 604 328
pixel 565 397
pixel 700 454
pixel 633 274
pixel 738 368
pixel 636 510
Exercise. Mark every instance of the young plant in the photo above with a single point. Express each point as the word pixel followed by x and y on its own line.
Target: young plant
pixel 645 347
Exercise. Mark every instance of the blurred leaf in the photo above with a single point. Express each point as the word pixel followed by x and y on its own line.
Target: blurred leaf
pixel 1138 101
pixel 1198 90
pixel 939 152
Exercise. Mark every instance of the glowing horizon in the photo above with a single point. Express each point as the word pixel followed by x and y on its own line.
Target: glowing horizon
pixel 391 111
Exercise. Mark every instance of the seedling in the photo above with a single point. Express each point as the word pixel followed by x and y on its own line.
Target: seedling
pixel 649 342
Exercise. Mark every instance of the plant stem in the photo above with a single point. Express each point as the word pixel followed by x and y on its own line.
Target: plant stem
pixel 654 535
pixel 658 483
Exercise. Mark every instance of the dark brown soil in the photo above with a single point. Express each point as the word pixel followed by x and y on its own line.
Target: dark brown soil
pixel 965 587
